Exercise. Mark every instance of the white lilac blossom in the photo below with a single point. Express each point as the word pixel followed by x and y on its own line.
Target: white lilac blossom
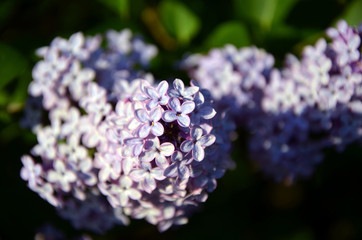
pixel 295 112
pixel 111 145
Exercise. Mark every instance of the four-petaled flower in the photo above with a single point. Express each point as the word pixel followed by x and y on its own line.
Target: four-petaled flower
pixel 146 176
pixel 61 175
pixel 179 112
pixel 124 191
pixel 179 167
pixel 157 151
pixel 197 144
pixel 155 96
pixel 149 122
pixel 179 90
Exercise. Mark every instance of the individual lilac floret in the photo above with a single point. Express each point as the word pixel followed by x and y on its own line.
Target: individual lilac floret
pixel 179 112
pixel 149 122
pixel 197 144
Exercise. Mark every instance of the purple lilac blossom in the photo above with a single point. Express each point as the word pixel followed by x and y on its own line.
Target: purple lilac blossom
pixel 295 112
pixel 110 149
pixel 70 89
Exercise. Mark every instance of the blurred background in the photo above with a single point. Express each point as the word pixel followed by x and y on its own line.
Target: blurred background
pixel 246 205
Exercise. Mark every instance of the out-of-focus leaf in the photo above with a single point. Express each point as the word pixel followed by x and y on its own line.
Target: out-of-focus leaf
pixel 179 20
pixel 232 32
pixel 12 64
pixel 3 98
pixel 352 14
pixel 120 6
pixel 265 13
pixel 6 8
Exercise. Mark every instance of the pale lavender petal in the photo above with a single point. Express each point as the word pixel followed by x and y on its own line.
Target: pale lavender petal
pixel 125 182
pixel 169 116
pixel 151 92
pixel 152 104
pixel 177 156
pixel 161 161
pixel 191 90
pixel 186 146
pixel 171 171
pixel 196 133
pixel 149 184
pixel 123 199
pixel 183 171
pixel 134 194
pixel 183 120
pixel 167 149
pixel 175 104
pixel 187 107
pixel 137 149
pixel 156 114
pixel 162 87
pixel 138 174
pixel 178 85
pixel 157 173
pixel 144 130
pixel 207 112
pixel 157 129
pixel 142 115
pixel 198 152
pixel 147 156
pixel 207 140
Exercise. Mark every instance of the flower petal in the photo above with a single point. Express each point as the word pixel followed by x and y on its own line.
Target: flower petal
pixel 175 104
pixel 186 146
pixel 147 156
pixel 142 115
pixel 144 130
pixel 177 156
pixel 157 129
pixel 134 194
pixel 207 140
pixel 178 85
pixel 198 152
pixel 162 87
pixel 151 92
pixel 152 104
pixel 183 120
pixel 137 174
pixel 187 107
pixel 169 116
pixel 171 171
pixel 196 133
pixel 161 161
pixel 167 149
pixel 207 112
pixel 191 91
pixel 149 184
pixel 156 114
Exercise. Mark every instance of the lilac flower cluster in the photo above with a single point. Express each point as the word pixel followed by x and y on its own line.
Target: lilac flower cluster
pixel 295 112
pixel 113 146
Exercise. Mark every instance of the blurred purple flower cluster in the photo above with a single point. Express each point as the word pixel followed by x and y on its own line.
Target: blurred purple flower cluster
pixel 295 112
pixel 111 144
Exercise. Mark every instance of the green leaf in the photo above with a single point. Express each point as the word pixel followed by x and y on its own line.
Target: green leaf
pixel 178 20
pixel 232 32
pixel 265 13
pixel 12 64
pixel 352 14
pixel 120 6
